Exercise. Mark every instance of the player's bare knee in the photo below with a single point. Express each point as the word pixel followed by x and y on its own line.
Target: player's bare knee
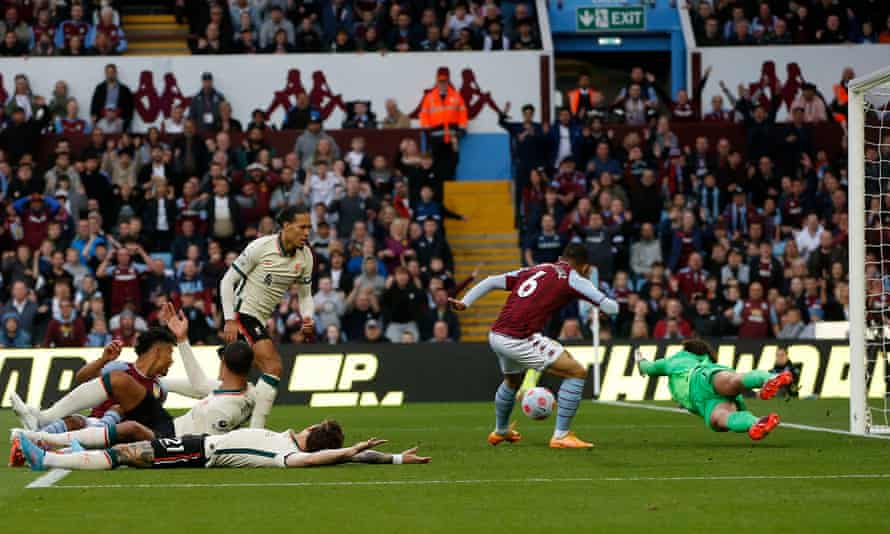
pixel 74 422
pixel 577 371
pixel 513 381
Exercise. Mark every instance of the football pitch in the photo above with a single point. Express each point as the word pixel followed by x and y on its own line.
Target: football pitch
pixel 650 470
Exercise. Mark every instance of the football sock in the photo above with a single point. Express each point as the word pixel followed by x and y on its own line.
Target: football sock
pixel 86 395
pixel 85 461
pixel 756 378
pixel 740 421
pixel 569 399
pixel 98 437
pixel 265 392
pixel 111 418
pixel 55 427
pixel 503 407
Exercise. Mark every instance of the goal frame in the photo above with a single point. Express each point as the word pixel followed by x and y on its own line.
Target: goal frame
pixel 856 206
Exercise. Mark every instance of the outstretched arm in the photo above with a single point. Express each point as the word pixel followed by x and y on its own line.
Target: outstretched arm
pixel 376 457
pixel 657 368
pixel 198 385
pixel 331 456
pixel 497 281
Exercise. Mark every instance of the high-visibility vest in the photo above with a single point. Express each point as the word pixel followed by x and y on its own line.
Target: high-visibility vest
pixel 842 97
pixel 575 99
pixel 436 112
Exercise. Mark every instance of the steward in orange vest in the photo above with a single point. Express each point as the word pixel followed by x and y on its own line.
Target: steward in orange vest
pixel 443 108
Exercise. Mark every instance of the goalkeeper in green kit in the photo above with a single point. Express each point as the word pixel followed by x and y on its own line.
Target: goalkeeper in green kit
pixel 714 391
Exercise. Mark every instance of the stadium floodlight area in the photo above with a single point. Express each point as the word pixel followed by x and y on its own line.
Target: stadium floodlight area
pixel 868 131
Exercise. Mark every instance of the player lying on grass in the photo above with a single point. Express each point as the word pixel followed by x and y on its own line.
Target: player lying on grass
pixel 535 293
pixel 713 391
pixel 320 444
pixel 226 404
pixel 252 289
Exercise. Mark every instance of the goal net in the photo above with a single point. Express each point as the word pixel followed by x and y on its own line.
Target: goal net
pixel 869 240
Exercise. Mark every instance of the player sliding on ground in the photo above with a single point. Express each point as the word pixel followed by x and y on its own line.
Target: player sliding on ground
pixel 713 391
pixel 252 289
pixel 226 403
pixel 535 293
pixel 320 444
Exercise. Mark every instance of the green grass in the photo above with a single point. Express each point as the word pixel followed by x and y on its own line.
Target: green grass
pixel 525 487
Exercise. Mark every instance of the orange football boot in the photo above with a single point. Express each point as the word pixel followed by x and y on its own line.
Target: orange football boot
pixel 512 436
pixel 569 441
pixel 763 426
pixel 16 458
pixel 774 384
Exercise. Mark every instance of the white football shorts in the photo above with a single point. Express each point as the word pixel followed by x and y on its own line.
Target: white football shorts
pixel 537 352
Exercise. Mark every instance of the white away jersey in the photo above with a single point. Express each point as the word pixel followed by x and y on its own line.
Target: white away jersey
pixel 267 273
pixel 221 411
pixel 250 447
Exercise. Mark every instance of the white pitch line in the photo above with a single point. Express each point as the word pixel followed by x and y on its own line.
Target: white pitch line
pixel 795 426
pixel 49 479
pixel 843 476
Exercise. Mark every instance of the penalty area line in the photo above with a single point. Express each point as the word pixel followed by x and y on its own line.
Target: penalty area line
pixel 795 426
pixel 357 483
pixel 49 479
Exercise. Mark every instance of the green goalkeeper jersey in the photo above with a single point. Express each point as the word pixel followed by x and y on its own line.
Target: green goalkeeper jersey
pixel 678 368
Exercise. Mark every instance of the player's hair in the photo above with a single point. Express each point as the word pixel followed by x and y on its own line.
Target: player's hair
pixel 327 435
pixel 289 213
pixel 153 336
pixel 238 357
pixel 699 347
pixel 575 252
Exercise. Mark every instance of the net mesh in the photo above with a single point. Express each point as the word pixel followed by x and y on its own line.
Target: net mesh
pixel 877 256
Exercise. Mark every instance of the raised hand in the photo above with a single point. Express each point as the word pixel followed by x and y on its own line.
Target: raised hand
pixel 457 305
pixel 112 350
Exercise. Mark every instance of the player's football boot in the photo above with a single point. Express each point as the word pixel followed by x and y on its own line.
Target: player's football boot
pixel 33 454
pixel 25 413
pixel 774 384
pixel 511 436
pixel 569 441
pixel 763 426
pixel 16 457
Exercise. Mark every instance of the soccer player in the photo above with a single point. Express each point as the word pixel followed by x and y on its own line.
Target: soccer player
pixel 713 391
pixel 226 404
pixel 317 445
pixel 252 288
pixel 535 293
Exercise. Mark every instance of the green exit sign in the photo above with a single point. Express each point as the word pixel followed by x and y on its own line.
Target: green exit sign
pixel 610 19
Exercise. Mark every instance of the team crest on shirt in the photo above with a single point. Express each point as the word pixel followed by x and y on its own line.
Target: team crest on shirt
pixel 156 390
pixel 298 266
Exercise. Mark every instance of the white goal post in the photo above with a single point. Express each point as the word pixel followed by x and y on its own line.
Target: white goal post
pixel 868 135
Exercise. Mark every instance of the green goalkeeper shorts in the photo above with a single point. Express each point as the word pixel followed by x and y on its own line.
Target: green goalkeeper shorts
pixel 701 391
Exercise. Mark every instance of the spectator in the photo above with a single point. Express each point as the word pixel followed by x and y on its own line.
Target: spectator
pixel 792 325
pixel 204 109
pixel 444 114
pixel 278 45
pixel 812 103
pixel 433 41
pixel 373 333
pixel 402 302
pixel 110 123
pixel 22 303
pixel 329 305
pixel 199 331
pixel 66 329
pixel 809 238
pixel 705 323
pixel 394 117
pixel 308 141
pixel 224 215
pixel 75 26
pixel 99 335
pixel 752 315
pixel 441 333
pixel 126 331
pixel 11 46
pixel 275 22
pixel 361 117
pixel 112 94
pixel 113 34
pixel 440 313
pixel 545 246
pixel 673 325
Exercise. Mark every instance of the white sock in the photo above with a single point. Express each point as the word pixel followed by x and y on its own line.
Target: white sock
pixel 559 434
pixel 84 396
pixel 91 438
pixel 82 461
pixel 265 392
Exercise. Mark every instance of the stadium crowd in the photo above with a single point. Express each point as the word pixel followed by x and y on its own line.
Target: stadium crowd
pixel 708 237
pixel 95 241
pixel 785 22
pixel 75 28
pixel 280 27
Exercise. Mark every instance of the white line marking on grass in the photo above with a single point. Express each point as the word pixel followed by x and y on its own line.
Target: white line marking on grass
pixel 49 479
pixel 783 423
pixel 347 483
